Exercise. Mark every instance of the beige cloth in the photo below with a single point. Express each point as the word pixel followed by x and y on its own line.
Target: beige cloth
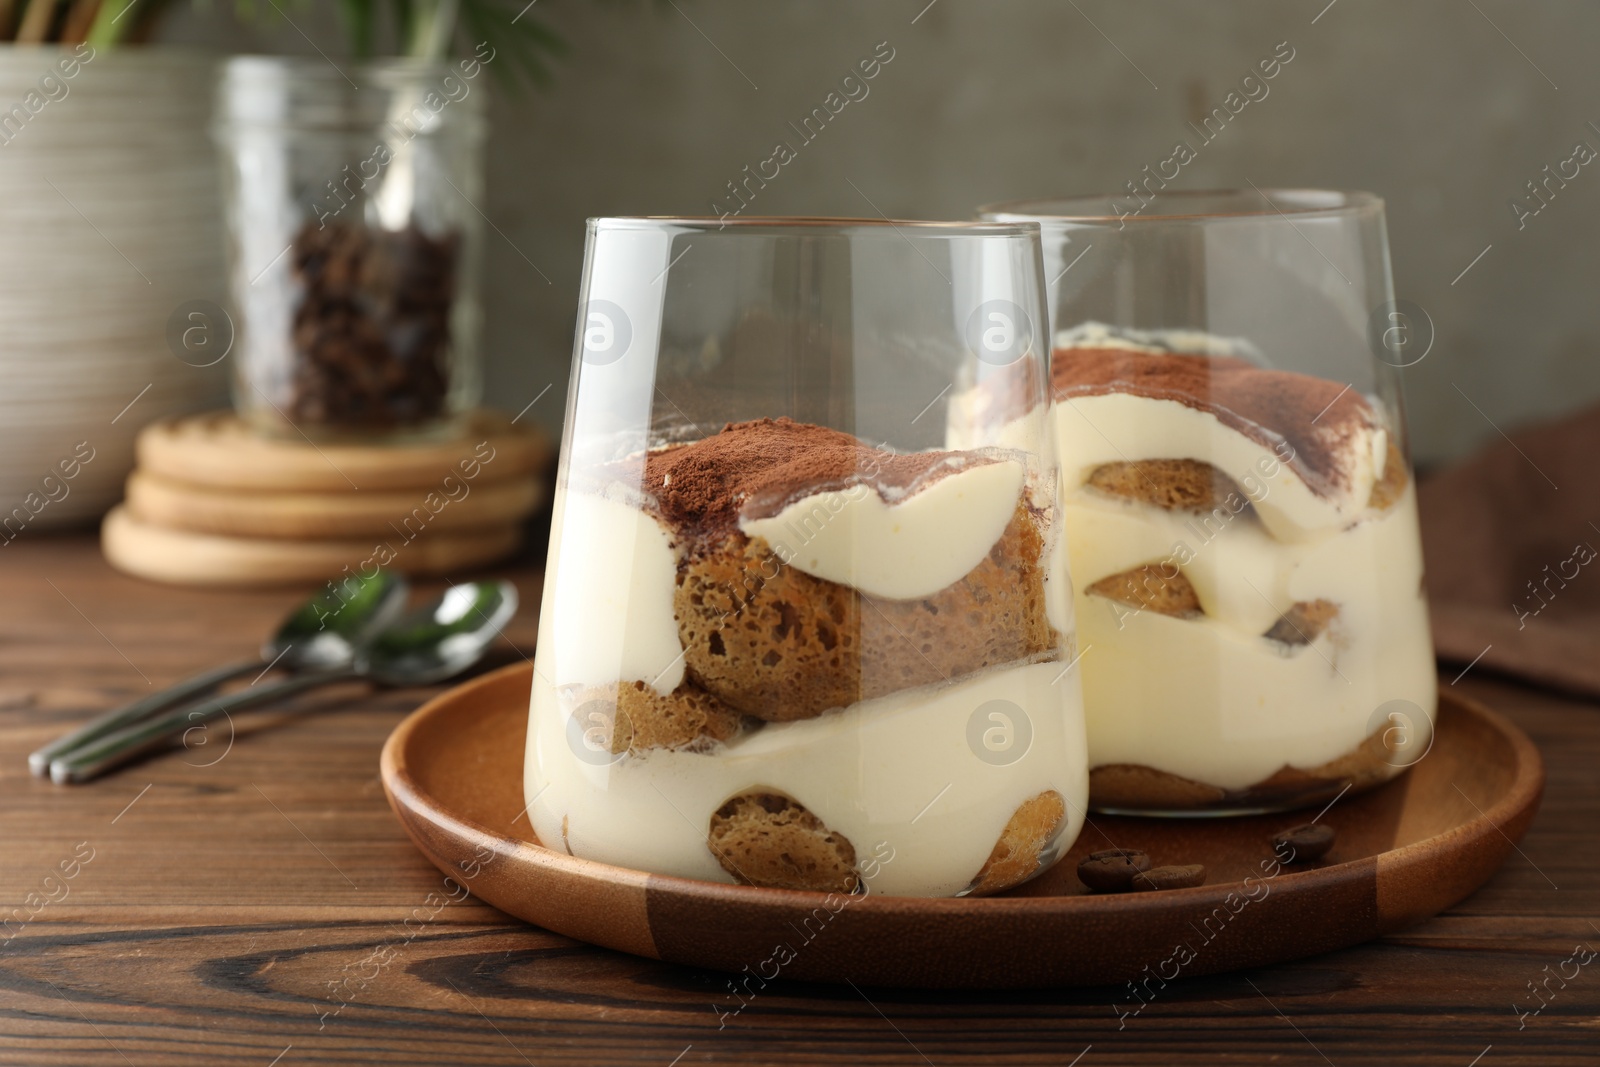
pixel 1510 539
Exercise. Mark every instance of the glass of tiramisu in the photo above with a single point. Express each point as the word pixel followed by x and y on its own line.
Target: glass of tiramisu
pixel 807 621
pixel 1240 510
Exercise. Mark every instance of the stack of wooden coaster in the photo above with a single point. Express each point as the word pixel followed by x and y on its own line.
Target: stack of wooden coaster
pixel 213 503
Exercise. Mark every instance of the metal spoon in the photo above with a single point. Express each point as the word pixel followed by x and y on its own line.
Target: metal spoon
pixel 321 635
pixel 432 643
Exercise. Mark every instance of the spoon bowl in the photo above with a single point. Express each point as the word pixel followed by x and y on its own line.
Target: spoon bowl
pixel 442 638
pixel 328 631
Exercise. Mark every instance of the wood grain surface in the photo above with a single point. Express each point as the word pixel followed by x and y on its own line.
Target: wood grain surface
pixel 265 906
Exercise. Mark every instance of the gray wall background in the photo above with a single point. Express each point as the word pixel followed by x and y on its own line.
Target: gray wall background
pixel 1446 108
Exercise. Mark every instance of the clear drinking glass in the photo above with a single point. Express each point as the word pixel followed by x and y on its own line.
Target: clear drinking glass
pixel 355 242
pixel 1239 504
pixel 807 621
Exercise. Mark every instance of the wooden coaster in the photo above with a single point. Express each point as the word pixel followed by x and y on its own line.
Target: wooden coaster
pixel 217 449
pixel 183 557
pixel 464 505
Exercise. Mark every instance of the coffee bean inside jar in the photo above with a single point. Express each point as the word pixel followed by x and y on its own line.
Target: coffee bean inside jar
pixel 371 332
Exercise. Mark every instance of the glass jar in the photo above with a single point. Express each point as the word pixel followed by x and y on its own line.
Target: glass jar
pixel 351 198
pixel 807 622
pixel 1241 513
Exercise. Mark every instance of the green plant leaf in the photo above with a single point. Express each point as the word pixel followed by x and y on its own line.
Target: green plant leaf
pixel 112 23
pixel 404 20
pixel 523 45
pixel 357 16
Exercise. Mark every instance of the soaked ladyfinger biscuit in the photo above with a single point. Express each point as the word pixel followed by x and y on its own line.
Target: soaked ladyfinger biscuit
pixel 1174 484
pixel 1147 587
pixel 771 840
pixel 632 717
pixel 1021 851
pixel 793 646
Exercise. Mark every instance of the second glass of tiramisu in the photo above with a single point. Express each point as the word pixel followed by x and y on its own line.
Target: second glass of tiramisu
pixel 1241 515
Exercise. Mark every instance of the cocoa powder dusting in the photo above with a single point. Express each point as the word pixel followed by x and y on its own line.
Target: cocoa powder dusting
pixel 755 469
pixel 1264 405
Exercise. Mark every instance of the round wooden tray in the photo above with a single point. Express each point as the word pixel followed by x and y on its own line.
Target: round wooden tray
pixel 1405 851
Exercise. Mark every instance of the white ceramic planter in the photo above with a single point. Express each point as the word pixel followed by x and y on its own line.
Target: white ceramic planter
pixel 109 220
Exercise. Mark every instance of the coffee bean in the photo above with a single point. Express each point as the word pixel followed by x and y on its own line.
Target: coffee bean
pixel 1112 870
pixel 370 338
pixel 1302 844
pixel 1169 878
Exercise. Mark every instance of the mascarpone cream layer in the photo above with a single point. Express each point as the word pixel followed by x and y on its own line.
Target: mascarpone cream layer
pixel 1093 334
pixel 1210 699
pixel 903 550
pixel 611 574
pixel 896 775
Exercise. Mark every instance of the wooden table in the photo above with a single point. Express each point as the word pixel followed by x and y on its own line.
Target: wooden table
pixel 244 905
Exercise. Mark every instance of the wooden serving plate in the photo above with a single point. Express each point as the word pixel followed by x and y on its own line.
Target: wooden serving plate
pixel 1405 851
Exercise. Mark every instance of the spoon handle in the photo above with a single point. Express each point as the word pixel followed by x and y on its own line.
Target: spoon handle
pixel 113 750
pixel 128 714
